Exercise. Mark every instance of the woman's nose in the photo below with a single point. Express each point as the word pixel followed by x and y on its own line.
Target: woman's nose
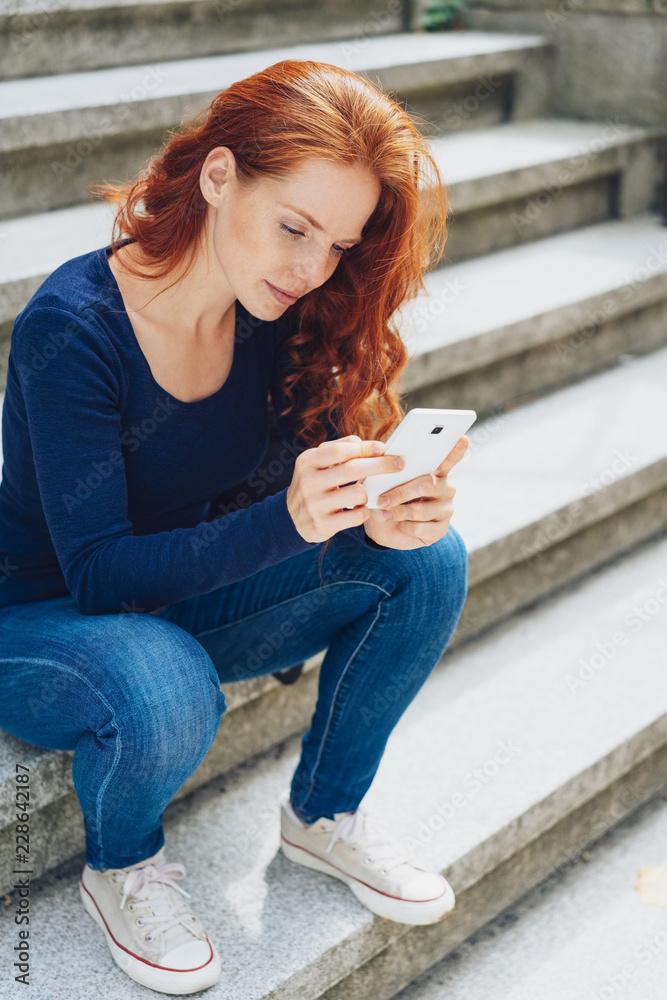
pixel 315 267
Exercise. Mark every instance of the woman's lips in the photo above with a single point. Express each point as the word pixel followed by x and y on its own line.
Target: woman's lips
pixel 282 297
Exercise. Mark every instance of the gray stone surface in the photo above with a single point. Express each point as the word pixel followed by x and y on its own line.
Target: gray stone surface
pixel 521 181
pixel 518 158
pixel 561 563
pixel 555 293
pixel 507 224
pixel 583 933
pixel 77 35
pixel 572 458
pixel 542 860
pixel 60 134
pixel 519 377
pixel 417 61
pixel 646 8
pixel 604 64
pixel 476 771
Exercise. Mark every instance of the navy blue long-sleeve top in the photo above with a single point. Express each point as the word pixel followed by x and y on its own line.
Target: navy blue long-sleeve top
pixel 109 482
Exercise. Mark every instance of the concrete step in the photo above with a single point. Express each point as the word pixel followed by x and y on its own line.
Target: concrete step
pixel 545 494
pixel 477 777
pixel 587 931
pixel 80 35
pixel 520 181
pixel 522 320
pixel 59 135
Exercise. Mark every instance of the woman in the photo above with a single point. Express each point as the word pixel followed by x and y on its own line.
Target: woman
pixel 267 246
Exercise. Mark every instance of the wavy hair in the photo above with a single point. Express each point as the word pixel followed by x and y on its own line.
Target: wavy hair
pixel 345 353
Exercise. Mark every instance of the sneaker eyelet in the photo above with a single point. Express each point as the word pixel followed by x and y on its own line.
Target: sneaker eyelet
pixel 384 871
pixel 139 921
pixel 148 937
pixel 132 907
pixel 368 861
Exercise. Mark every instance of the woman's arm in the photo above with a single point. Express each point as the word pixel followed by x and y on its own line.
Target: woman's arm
pixel 71 406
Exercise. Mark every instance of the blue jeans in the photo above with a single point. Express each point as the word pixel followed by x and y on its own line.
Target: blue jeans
pixel 137 697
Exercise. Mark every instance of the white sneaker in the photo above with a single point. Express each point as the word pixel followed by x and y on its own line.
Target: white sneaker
pixel 151 932
pixel 360 852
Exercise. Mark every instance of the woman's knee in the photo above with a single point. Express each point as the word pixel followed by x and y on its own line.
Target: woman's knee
pixel 156 686
pixel 436 576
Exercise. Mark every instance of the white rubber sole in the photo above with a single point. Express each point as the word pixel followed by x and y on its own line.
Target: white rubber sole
pixel 163 980
pixel 403 911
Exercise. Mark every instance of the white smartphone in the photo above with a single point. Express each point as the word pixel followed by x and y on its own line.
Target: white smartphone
pixel 423 438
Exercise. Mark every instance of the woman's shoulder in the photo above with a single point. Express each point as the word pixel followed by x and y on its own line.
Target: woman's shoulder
pixel 75 304
pixel 77 285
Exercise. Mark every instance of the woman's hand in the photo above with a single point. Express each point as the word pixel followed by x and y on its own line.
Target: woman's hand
pixel 419 510
pixel 318 491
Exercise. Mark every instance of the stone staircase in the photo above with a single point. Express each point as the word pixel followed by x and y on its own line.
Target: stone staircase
pixel 542 727
pixel 587 931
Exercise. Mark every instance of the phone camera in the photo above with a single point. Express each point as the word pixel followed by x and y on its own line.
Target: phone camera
pixel 436 430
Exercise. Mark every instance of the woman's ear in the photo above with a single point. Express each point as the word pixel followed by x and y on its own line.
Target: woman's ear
pixel 217 170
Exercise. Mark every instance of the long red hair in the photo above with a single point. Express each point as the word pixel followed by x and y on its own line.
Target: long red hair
pixel 346 353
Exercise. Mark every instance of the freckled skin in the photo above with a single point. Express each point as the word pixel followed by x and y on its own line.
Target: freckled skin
pixel 242 245
pixel 249 244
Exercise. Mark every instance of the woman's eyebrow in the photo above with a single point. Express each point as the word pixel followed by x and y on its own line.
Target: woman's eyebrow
pixel 313 222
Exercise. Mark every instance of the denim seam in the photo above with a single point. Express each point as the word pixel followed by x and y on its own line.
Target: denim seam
pixel 331 708
pixel 307 593
pixel 69 670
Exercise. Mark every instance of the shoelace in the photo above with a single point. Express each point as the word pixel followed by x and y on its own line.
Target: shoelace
pixel 148 884
pixel 359 824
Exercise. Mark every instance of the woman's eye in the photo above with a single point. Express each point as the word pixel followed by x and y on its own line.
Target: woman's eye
pixel 292 232
pixel 337 251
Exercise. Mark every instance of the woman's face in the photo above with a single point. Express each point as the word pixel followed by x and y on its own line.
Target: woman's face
pixel 284 234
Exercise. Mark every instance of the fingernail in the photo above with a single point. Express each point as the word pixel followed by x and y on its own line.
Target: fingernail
pixel 377 448
pixel 399 462
pixel 386 514
pixel 383 502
